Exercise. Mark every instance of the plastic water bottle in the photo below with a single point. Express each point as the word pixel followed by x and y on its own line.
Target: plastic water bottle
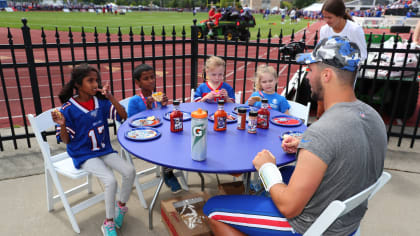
pixel 199 135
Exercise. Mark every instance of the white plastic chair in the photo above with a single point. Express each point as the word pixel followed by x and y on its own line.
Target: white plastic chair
pixel 300 111
pixel 62 164
pixel 140 187
pixel 338 208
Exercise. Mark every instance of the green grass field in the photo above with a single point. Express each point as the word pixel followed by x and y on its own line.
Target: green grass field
pixel 147 19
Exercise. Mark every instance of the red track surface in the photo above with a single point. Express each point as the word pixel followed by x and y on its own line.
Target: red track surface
pixel 172 78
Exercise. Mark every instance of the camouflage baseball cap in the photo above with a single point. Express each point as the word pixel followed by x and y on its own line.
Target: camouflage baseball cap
pixel 335 51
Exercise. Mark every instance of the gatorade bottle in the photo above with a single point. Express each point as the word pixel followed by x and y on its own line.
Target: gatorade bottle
pixel 199 135
pixel 220 117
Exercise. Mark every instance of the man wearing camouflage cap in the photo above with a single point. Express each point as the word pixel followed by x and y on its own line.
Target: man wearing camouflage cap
pixel 338 156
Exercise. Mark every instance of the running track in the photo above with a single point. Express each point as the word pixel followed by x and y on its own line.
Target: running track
pixel 173 78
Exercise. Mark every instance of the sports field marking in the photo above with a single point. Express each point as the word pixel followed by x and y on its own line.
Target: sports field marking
pixel 160 73
pixel 4 57
pixel 114 69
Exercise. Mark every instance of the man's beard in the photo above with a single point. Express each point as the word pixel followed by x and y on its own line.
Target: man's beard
pixel 318 95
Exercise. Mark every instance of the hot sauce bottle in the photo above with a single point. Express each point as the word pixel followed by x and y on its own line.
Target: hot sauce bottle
pixel 176 118
pixel 220 117
pixel 263 115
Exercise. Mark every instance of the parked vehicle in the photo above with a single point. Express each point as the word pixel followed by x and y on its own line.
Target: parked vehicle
pixel 232 25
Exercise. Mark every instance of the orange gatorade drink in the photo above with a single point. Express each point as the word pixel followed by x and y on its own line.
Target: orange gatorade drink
pixel 199 135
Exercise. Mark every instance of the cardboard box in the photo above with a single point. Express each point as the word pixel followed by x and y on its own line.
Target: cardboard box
pixel 184 215
pixel 232 188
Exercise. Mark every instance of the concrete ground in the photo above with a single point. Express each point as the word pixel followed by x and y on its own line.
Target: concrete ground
pixel 392 211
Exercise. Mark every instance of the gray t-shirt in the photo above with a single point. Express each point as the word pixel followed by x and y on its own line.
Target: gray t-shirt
pixel 351 139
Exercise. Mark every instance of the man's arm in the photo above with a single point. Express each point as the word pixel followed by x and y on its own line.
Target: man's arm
pixel 292 198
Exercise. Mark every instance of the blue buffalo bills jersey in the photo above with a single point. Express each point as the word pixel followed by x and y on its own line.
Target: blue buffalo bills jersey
pixel 88 130
pixel 205 88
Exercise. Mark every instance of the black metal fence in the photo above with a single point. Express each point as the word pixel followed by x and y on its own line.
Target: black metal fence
pixel 33 71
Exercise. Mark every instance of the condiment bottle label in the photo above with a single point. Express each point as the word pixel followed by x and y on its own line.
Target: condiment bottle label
pixel 262 120
pixel 240 122
pixel 177 123
pixel 221 122
pixel 252 125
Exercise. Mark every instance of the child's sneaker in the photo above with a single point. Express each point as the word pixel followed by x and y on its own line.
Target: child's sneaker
pixel 108 228
pixel 121 210
pixel 172 182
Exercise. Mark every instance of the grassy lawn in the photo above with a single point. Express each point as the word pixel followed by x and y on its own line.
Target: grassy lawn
pixel 61 20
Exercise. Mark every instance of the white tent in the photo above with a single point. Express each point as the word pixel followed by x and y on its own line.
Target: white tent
pixel 316 7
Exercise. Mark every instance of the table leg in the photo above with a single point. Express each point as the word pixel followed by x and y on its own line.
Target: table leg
pixel 247 182
pixel 202 180
pixel 152 204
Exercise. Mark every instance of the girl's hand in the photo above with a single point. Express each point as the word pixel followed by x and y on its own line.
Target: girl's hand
pixel 290 144
pixel 149 102
pixel 164 101
pixel 209 96
pixel 105 90
pixel 224 94
pixel 251 101
pixel 58 117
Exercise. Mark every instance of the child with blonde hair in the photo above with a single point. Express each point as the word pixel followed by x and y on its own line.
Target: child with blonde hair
pixel 215 87
pixel 265 85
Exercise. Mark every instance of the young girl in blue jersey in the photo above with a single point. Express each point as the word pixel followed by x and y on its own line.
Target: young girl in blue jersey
pixel 214 88
pixel 265 85
pixel 145 78
pixel 83 126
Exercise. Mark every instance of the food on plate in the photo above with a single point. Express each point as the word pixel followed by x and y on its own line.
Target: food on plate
pixel 58 113
pixel 297 135
pixel 151 118
pixel 230 117
pixel 158 96
pixel 216 93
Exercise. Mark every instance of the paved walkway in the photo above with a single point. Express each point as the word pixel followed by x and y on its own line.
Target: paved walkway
pixel 393 211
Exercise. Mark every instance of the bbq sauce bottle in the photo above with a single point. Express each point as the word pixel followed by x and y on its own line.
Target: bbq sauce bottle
pixel 263 115
pixel 176 118
pixel 220 117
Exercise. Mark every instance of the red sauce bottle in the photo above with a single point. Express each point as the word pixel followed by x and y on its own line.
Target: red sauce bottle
pixel 263 115
pixel 220 117
pixel 176 118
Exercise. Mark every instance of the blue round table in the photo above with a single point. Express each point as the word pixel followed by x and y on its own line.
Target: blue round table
pixel 230 151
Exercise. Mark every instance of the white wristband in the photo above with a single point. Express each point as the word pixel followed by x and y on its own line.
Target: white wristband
pixel 270 175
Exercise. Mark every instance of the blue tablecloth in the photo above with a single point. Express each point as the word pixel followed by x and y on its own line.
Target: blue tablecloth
pixel 230 151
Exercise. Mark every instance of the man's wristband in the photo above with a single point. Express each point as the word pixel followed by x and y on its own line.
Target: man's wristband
pixel 270 175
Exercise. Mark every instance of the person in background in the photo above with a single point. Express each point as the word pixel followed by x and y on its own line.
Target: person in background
pixel 265 87
pixel 416 35
pixel 212 12
pixel 340 23
pixel 214 22
pixel 83 127
pixel 338 156
pixel 145 78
